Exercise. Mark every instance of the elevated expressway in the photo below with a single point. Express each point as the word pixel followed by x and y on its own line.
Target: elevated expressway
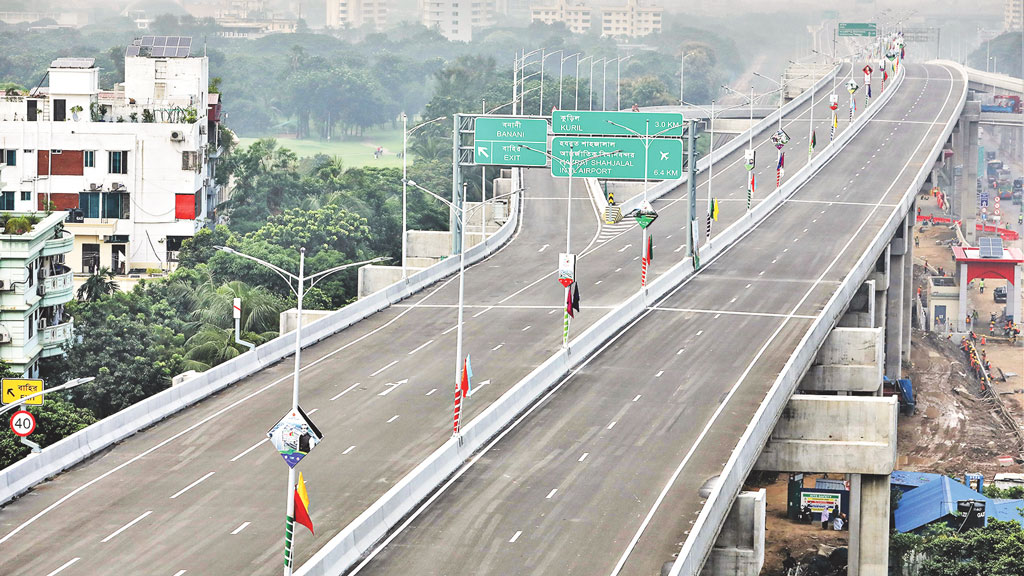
pixel 201 492
pixel 603 476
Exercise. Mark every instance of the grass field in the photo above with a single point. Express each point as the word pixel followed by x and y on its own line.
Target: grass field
pixel 353 152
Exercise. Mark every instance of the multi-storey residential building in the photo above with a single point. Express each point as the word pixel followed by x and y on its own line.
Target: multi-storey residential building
pixel 1013 18
pixel 34 286
pixel 134 165
pixel 357 13
pixel 575 15
pixel 456 19
pixel 630 21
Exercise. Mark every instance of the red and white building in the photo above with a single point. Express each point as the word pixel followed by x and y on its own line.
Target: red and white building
pixel 133 165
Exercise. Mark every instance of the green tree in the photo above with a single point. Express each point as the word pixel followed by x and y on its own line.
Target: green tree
pixel 98 285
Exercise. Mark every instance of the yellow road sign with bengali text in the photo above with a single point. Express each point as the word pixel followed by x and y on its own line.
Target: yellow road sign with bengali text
pixel 15 389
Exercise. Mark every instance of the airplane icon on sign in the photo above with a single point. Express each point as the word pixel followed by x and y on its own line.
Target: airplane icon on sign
pixel 664 155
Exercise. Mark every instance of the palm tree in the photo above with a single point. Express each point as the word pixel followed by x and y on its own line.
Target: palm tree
pixel 212 305
pixel 100 284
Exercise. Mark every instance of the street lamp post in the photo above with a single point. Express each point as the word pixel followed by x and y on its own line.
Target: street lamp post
pixel 571 165
pixel 560 67
pixel 544 57
pixel 577 106
pixel 781 83
pixel 405 171
pixel 298 290
pixel 618 81
pixel 682 73
pixel 592 63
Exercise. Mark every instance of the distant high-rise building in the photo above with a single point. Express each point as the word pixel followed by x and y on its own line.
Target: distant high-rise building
pixel 575 16
pixel 357 13
pixel 1014 15
pixel 456 19
pixel 632 20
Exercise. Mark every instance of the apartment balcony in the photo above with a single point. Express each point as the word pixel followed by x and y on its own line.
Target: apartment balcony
pixel 53 338
pixel 59 245
pixel 58 288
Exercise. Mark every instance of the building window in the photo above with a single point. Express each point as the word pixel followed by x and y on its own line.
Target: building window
pixel 115 205
pixel 60 111
pixel 117 161
pixel 6 200
pixel 190 160
pixel 89 204
pixel 10 157
pixel 26 195
pixel 89 158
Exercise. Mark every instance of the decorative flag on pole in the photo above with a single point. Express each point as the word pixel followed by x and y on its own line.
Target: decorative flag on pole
pixel 781 169
pixel 460 392
pixel 714 209
pixel 750 190
pixel 467 376
pixel 576 297
pixel 814 142
pixel 650 248
pixel 568 303
pixel 302 505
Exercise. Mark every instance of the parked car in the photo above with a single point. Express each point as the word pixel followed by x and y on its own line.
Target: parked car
pixel 999 294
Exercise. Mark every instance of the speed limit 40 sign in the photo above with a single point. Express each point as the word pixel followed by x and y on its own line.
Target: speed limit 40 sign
pixel 23 423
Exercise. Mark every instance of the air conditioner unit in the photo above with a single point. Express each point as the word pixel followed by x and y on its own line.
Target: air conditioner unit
pixel 5 336
pixel 93 186
pixel 177 136
pixel 116 185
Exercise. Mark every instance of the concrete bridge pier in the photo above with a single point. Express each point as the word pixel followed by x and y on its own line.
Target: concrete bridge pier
pixel 861 311
pixel 969 191
pixel 880 277
pixel 908 285
pixel 895 296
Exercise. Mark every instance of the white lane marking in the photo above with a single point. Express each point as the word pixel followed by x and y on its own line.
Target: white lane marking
pixel 127 526
pixel 784 250
pixel 610 426
pixel 498 347
pixel 515 536
pixel 637 397
pixel 65 565
pixel 191 486
pixel 775 260
pixel 393 386
pixel 623 249
pixel 748 286
pixel 636 258
pixel 449 330
pixel 551 494
pixel 393 362
pixel 544 247
pixel 658 375
pixel 681 350
pixel 525 329
pixel 717 316
pixel 733 300
pixel 345 391
pixel 312 411
pixel 421 347
pixel 761 273
pixel 432 390
pixel 732 313
pixel 482 312
pixel 180 572
pixel 550 312
pixel 584 457
pixel 393 418
pixel 699 332
pixel 347 450
pixel 477 387
pixel 618 269
pixel 249 449
pixel 240 528
pixel 598 282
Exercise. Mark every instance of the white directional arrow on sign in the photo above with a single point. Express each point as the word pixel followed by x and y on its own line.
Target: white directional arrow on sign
pixel 482 152
pixel 477 387
pixel 391 386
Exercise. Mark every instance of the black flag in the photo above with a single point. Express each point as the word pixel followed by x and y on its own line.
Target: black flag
pixel 576 297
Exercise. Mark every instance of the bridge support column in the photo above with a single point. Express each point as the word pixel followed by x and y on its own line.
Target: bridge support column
pixel 850 360
pixel 881 279
pixel 861 311
pixel 969 194
pixel 959 155
pixel 908 286
pixel 894 303
pixel 869 525
pixel 739 549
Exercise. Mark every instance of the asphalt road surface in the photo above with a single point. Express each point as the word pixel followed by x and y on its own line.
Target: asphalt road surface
pixel 203 493
pixel 603 476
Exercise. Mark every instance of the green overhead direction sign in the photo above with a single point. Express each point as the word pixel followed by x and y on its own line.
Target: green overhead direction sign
pixel 616 123
pixel 664 160
pixel 511 141
pixel 869 29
